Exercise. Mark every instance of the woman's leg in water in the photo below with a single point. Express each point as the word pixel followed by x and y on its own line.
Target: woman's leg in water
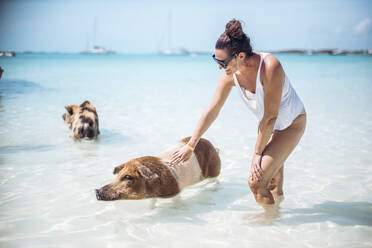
pixel 276 152
pixel 276 185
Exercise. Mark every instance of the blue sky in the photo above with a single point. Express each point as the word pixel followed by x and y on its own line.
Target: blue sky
pixel 143 26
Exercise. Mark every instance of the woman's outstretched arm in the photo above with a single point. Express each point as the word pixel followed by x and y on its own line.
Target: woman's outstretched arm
pixel 223 90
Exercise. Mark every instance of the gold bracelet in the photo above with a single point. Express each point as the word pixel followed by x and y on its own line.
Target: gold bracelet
pixel 190 147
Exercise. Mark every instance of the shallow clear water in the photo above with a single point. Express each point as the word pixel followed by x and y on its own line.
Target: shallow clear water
pixel 146 103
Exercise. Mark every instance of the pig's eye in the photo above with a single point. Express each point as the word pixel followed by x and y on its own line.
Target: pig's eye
pixel 127 177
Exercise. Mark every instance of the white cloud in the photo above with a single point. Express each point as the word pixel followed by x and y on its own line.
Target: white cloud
pixel 363 26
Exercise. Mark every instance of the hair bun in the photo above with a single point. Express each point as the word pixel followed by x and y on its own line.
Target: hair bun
pixel 234 29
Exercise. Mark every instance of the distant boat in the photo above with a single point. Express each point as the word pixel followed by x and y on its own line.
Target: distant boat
pixel 180 51
pixel 170 50
pixel 96 49
pixel 7 54
pixel 338 52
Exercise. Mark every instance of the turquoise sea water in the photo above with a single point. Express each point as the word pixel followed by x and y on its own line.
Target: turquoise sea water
pixel 145 104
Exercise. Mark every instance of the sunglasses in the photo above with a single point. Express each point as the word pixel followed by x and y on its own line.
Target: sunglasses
pixel 223 63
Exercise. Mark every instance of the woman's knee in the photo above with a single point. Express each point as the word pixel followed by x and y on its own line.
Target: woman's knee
pixel 260 192
pixel 254 185
pixel 258 186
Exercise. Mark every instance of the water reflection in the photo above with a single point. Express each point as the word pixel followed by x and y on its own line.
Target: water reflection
pixel 6 149
pixel 268 215
pixel 108 136
pixel 16 87
pixel 341 213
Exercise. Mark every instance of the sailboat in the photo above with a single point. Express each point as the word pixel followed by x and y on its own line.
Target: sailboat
pixel 96 49
pixel 170 50
pixel 7 54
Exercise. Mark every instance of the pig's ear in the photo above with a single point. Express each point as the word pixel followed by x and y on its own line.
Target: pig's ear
pixel 118 168
pixel 86 102
pixel 71 108
pixel 147 173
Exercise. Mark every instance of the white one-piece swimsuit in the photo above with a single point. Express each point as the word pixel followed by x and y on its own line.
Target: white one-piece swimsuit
pixel 290 105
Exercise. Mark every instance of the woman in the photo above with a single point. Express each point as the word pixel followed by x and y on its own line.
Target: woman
pixel 266 90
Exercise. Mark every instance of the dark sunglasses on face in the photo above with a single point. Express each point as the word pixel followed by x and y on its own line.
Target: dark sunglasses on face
pixel 223 63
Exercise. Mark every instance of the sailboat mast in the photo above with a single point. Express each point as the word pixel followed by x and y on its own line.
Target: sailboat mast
pixel 94 31
pixel 170 30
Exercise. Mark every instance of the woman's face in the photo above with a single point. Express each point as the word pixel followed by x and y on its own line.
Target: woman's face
pixel 223 55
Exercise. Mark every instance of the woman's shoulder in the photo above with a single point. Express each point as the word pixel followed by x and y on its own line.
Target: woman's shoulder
pixel 270 64
pixel 269 60
pixel 271 68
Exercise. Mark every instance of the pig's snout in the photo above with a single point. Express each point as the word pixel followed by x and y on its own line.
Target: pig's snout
pixel 98 192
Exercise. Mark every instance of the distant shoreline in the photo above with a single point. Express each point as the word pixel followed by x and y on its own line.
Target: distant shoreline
pixel 324 51
pixel 193 53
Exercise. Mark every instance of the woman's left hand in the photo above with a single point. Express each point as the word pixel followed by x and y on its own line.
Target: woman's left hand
pixel 256 170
